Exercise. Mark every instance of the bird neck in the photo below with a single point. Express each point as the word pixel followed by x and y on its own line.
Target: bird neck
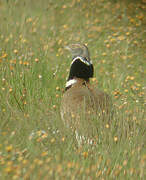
pixel 80 68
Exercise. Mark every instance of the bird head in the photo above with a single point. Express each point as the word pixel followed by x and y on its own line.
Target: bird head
pixel 81 65
pixel 78 50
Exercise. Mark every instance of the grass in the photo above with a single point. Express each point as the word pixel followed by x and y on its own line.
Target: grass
pixel 34 143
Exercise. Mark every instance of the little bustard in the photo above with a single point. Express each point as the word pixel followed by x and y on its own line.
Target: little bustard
pixel 81 100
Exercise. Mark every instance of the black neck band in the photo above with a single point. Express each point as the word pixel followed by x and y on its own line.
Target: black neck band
pixel 81 68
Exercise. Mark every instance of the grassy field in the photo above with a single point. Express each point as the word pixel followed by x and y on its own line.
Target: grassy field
pixel 34 143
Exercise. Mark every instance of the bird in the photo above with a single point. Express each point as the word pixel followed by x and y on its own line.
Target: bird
pixel 82 102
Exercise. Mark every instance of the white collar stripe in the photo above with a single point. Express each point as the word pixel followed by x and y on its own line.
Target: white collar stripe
pixel 88 63
pixel 70 82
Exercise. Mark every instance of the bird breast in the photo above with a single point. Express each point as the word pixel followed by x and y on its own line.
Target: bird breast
pixel 81 102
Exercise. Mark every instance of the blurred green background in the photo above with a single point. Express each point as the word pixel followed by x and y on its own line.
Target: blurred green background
pixel 34 144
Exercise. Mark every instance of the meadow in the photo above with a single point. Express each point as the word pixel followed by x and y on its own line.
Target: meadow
pixel 34 143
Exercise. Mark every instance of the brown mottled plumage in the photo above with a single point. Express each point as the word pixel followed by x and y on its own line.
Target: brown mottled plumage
pixel 82 101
